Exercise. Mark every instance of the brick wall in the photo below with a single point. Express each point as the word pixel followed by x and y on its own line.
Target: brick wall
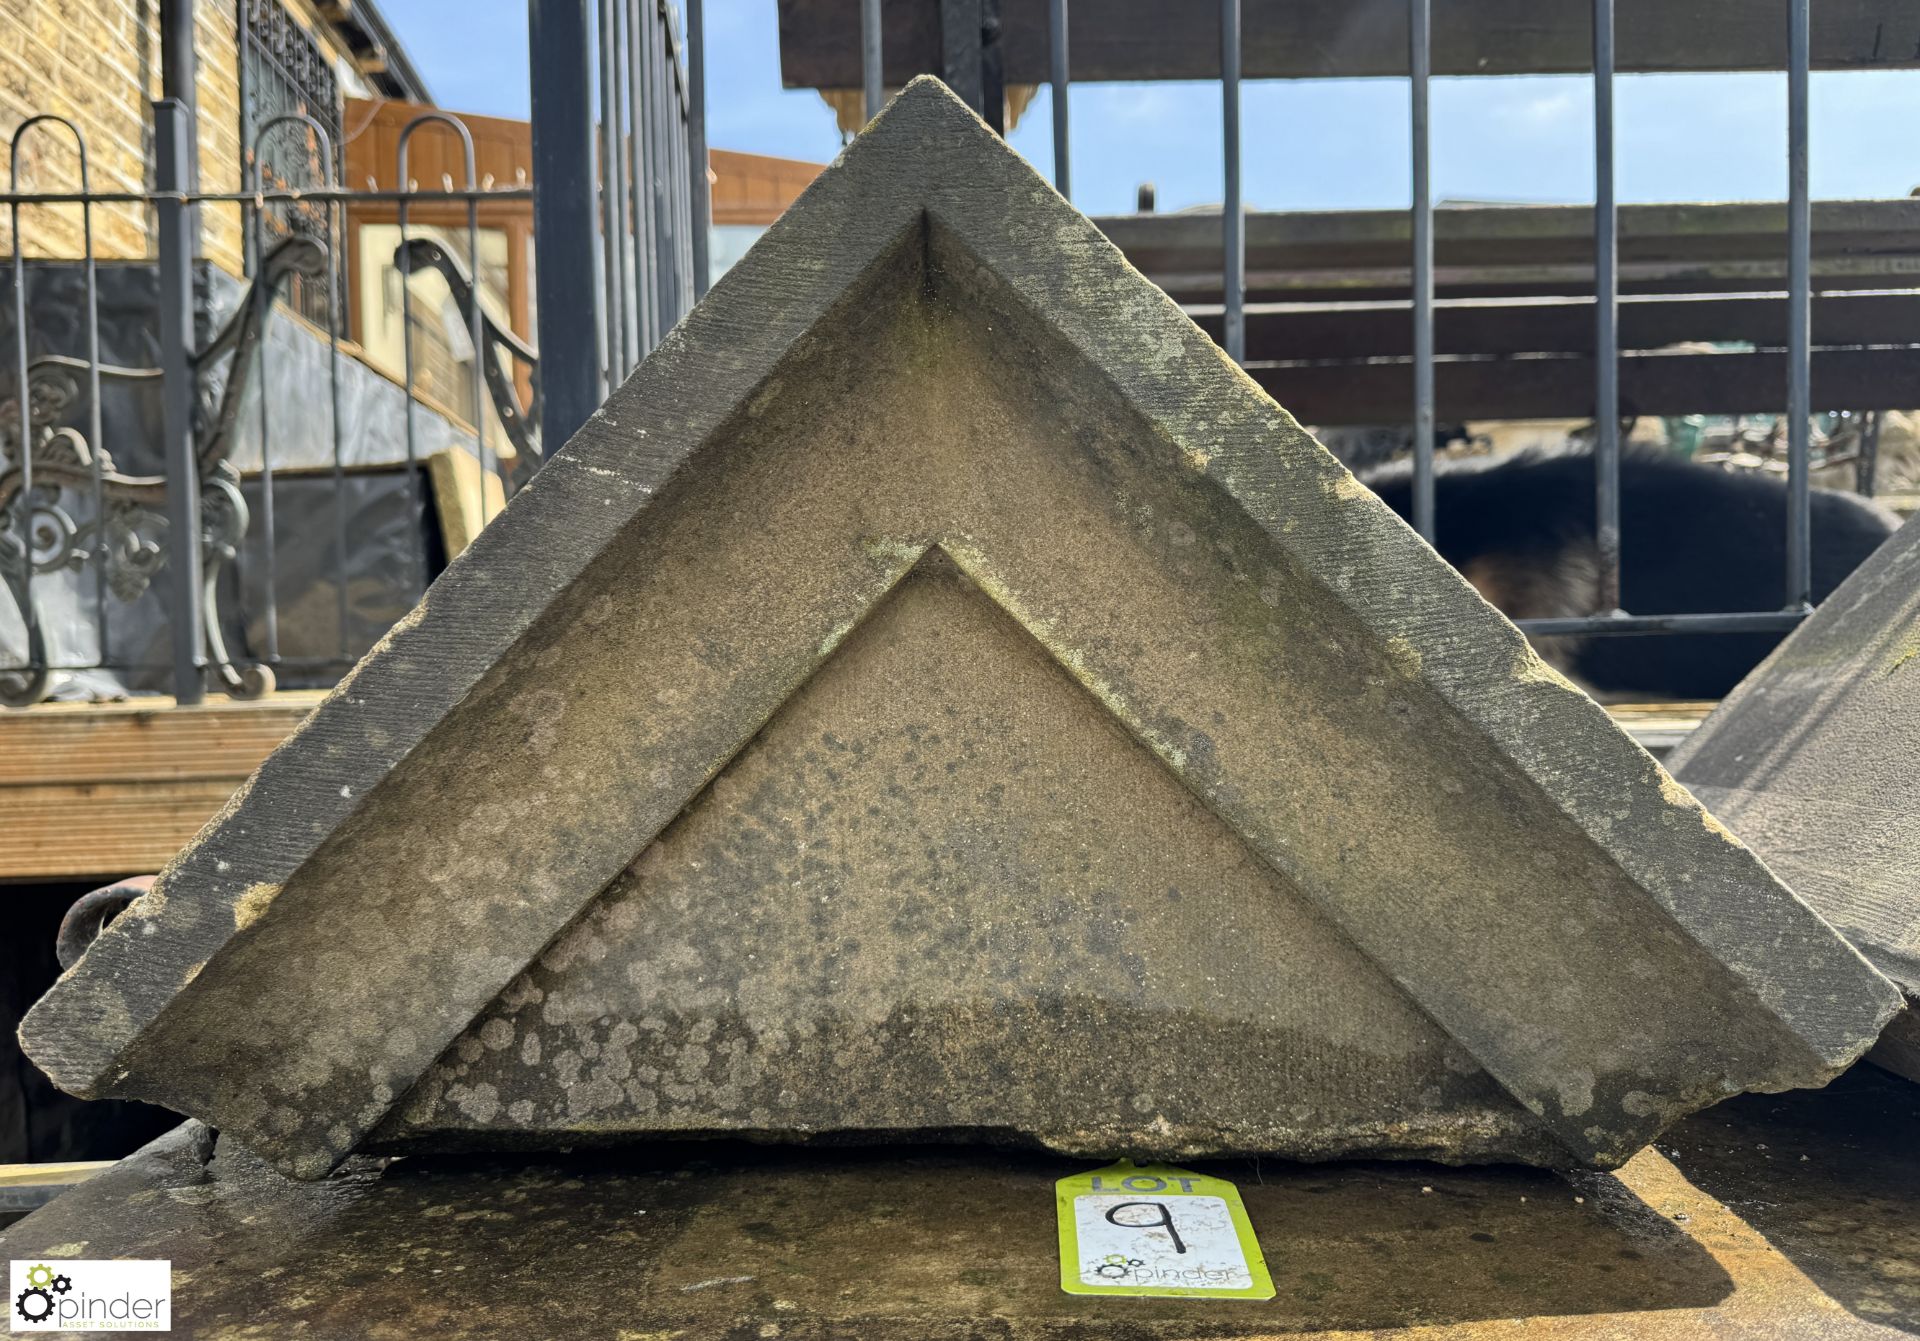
pixel 98 63
pixel 217 45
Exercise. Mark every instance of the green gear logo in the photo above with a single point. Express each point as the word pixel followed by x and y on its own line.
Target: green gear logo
pixel 1116 1266
pixel 35 1303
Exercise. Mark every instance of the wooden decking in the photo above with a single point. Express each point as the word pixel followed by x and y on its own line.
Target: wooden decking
pixel 103 790
pixel 113 789
pixel 1659 726
pixel 28 1187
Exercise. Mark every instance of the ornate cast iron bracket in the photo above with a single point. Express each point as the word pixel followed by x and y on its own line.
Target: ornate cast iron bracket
pixel 38 526
pixel 520 422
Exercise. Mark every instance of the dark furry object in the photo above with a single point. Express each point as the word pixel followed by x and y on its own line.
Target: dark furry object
pixel 1694 539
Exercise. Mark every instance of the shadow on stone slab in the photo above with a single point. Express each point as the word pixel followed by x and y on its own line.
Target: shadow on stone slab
pixel 1832 1179
pixel 901 1242
pixel 39 1123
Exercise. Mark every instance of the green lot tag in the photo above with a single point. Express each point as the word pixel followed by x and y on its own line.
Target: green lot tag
pixel 1156 1231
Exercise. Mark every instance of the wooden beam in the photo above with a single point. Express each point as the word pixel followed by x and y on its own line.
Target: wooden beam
pixel 1384 329
pixel 28 1187
pixel 960 51
pixel 1304 39
pixel 465 497
pixel 756 188
pixel 1659 727
pixel 1497 250
pixel 1561 386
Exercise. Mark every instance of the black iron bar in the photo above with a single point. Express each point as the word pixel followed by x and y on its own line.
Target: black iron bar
pixel 629 29
pixel 1606 340
pixel 95 441
pixel 1754 621
pixel 22 504
pixel 651 212
pixel 416 510
pixel 1799 574
pixel 993 68
pixel 673 144
pixel 180 82
pixel 666 235
pixel 683 184
pixel 1062 84
pixel 1233 217
pixel 1869 458
pixel 416 494
pixel 173 169
pixel 701 201
pixel 1420 63
pixel 871 70
pixel 262 297
pixel 563 172
pixel 477 341
pixel 96 437
pixel 612 195
pixel 647 212
pixel 640 127
pixel 683 178
pixel 334 315
pixel 673 127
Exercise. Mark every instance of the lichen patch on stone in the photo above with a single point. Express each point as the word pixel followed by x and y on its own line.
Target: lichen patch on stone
pixel 1680 798
pixel 253 902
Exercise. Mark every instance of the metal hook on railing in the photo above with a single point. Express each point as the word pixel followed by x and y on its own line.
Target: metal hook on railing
pixel 445 119
pixel 36 680
pixel 405 258
pixel 261 296
pixel 19 132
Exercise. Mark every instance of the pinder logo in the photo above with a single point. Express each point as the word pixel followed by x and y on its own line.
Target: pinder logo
pixel 70 1295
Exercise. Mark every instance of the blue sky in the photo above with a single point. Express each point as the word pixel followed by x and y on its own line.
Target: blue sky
pixel 1314 144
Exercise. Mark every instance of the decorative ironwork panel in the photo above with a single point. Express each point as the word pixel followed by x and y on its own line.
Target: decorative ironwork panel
pixel 284 72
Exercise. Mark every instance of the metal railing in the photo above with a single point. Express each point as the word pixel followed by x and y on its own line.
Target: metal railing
pixel 90 485
pixel 1608 617
pixel 618 121
pixel 618 98
pixel 313 455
